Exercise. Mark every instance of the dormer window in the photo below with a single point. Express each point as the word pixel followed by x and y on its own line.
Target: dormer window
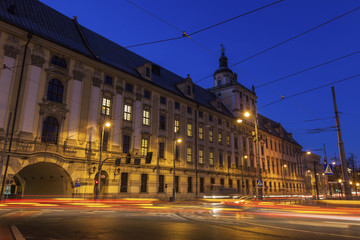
pixel 147 72
pixel 219 82
pixel 188 90
pixel 60 62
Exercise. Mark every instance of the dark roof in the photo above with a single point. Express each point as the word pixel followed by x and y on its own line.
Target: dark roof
pixel 47 23
pixel 274 128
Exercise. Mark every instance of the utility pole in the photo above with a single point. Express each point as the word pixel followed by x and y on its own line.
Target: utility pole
pixel 316 182
pixel 325 176
pixel 348 194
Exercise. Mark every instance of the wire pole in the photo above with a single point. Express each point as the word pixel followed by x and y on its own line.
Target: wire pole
pixel 348 194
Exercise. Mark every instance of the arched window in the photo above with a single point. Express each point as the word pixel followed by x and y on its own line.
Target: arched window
pixel 50 130
pixel 58 62
pixel 219 82
pixel 55 91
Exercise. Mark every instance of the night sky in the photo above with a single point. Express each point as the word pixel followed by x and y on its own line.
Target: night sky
pixel 127 25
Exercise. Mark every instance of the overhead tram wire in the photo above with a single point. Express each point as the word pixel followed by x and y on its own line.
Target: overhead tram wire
pixel 308 69
pixel 287 40
pixel 184 34
pixel 309 90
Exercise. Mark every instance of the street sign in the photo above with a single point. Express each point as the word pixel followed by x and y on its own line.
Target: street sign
pixel 77 184
pixel 328 169
pixel 259 183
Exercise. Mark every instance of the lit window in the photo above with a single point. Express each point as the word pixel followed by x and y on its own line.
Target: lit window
pixel 188 154
pixel 201 156
pixel 211 159
pixel 228 140
pixel 189 130
pixel 144 146
pixel 211 136
pixel 127 112
pixel 106 103
pixel 201 134
pixel 220 137
pixel 177 126
pixel 146 117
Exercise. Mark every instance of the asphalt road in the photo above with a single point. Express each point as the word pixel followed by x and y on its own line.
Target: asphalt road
pixel 169 222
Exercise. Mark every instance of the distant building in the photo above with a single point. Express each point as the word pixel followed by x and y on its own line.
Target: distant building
pixel 72 80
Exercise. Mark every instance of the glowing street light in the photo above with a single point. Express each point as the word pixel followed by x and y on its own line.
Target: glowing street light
pixel 107 124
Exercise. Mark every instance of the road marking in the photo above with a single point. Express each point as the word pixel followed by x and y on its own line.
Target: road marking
pixel 17 234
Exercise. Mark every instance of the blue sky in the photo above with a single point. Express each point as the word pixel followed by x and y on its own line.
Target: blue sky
pixel 125 24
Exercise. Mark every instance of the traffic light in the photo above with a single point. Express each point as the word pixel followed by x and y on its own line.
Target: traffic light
pixel 128 158
pixel 96 182
pixel 148 157
pixel 117 161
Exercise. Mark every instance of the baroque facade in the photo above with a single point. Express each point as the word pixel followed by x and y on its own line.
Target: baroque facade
pixel 60 82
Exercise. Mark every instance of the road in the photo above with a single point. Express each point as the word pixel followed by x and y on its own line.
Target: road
pixel 144 220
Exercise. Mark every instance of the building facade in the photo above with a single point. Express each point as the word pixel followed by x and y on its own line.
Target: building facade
pixel 61 82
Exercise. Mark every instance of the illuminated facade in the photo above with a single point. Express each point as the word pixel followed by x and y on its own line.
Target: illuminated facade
pixel 73 80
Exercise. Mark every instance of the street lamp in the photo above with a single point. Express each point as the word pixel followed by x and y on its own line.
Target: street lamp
pixel 242 175
pixel 256 140
pixel 174 187
pixel 107 125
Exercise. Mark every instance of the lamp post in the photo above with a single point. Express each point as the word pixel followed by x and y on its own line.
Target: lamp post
pixel 107 124
pixel 174 177
pixel 256 140
pixel 242 175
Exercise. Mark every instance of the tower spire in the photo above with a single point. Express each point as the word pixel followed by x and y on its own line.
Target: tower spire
pixel 223 59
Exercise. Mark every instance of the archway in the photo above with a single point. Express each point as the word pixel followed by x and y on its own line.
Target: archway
pixel 44 179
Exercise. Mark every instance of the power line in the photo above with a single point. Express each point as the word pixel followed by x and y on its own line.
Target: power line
pixel 287 40
pixel 196 32
pixel 307 69
pixel 309 90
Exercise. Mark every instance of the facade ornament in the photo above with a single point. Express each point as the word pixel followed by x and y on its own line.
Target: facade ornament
pixel 49 108
pixel 11 47
pixel 78 72
pixel 119 89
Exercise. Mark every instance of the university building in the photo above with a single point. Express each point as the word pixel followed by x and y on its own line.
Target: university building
pixel 61 82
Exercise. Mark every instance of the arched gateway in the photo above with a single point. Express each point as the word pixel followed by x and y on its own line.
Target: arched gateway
pixel 43 179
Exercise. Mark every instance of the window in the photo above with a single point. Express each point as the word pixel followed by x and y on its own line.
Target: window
pixel 222 182
pixel 262 150
pixel 128 87
pixel 211 158
pixel 177 126
pixel 60 62
pixel 176 152
pixel 266 143
pixel 220 138
pixel 124 182
pixel 147 94
pixel 201 185
pixel 55 91
pixel 228 139
pixel 106 104
pixel 247 98
pixel 105 140
pixel 188 154
pixel 177 105
pixel 147 72
pixel 108 80
pixel 161 183
pixel 200 114
pixel 50 130
pixel 201 133
pixel 227 124
pixel 201 156
pixel 271 145
pixel 230 183
pixel 161 149
pixel 211 136
pixel 229 162
pixel 236 142
pixel 219 121
pixel 240 94
pixel 210 118
pixel 162 122
pixel 162 100
pixel 189 184
pixel 221 162
pixel 218 82
pixel 275 146
pixel 143 187
pixel 177 184
pixel 279 147
pixel 188 110
pixel 144 146
pixel 127 112
pixel 146 117
pixel 188 90
pixel 126 143
pixel 189 130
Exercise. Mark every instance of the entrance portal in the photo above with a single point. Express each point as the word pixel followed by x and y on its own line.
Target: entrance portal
pixel 44 179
